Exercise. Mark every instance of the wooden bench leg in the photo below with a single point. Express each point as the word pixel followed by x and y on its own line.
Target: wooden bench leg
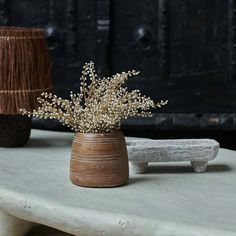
pixel 139 167
pixel 199 166
pixel 13 226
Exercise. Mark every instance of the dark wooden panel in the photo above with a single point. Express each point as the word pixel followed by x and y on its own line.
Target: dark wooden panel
pixel 4 12
pixel 134 36
pixel 185 50
pixel 199 56
pixel 188 54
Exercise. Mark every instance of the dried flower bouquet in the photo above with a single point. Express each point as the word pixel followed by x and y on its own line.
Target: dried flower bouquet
pixel 100 105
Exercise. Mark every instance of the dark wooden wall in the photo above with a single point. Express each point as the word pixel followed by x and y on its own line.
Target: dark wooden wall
pixel 185 50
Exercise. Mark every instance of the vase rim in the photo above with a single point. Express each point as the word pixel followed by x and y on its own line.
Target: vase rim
pixel 99 133
pixel 113 131
pixel 12 31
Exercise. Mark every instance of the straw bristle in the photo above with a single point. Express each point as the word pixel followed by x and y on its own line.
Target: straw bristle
pixel 25 68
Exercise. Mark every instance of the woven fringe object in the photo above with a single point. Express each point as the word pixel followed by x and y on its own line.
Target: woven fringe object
pixel 25 68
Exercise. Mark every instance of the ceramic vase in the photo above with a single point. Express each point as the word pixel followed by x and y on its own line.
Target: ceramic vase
pixel 99 160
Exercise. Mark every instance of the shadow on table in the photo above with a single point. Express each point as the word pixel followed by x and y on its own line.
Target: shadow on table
pixel 46 231
pixel 49 142
pixel 139 179
pixel 185 169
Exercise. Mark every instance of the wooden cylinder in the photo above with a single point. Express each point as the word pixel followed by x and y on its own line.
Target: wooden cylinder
pixel 99 160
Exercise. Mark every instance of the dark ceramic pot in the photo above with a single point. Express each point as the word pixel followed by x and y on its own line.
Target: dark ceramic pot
pixel 14 130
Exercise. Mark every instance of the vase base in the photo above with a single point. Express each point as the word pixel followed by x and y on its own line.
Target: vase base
pixel 91 184
pixel 14 130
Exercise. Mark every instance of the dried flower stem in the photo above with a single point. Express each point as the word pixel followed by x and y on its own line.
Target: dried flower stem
pixel 100 105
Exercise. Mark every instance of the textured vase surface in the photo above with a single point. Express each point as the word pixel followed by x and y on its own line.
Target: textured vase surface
pixel 99 160
pixel 25 72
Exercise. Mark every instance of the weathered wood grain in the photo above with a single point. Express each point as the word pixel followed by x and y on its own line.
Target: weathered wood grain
pixel 99 160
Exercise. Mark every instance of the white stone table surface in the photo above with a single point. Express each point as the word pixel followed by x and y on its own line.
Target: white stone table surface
pixel 169 199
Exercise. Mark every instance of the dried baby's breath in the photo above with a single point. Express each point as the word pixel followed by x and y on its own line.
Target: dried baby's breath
pixel 99 106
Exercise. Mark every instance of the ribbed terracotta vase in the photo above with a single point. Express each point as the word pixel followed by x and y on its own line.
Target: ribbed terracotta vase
pixel 99 160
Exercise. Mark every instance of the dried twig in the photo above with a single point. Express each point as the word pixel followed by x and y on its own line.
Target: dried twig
pixel 99 106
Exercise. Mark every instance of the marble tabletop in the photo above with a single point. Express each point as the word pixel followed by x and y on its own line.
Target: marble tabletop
pixel 169 199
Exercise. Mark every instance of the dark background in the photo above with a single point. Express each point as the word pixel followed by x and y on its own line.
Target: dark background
pixel 185 50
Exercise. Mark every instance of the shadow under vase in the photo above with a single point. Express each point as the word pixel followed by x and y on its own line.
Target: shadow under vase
pixel 14 130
